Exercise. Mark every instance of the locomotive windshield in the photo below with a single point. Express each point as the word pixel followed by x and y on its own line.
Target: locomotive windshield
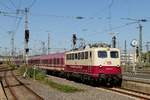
pixel 102 54
pixel 114 54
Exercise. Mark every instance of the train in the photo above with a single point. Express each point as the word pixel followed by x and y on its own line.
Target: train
pixel 96 65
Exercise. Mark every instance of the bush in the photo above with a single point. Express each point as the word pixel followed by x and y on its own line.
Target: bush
pixel 39 74
pixel 22 69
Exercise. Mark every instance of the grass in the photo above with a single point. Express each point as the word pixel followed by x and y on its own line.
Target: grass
pixel 63 88
pixel 41 76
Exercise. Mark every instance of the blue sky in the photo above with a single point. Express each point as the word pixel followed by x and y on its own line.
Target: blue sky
pixel 58 17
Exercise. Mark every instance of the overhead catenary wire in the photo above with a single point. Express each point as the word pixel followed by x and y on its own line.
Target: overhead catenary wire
pixel 11 14
pixel 18 14
pixel 113 28
pixel 31 5
pixel 12 3
pixel 5 6
pixel 63 16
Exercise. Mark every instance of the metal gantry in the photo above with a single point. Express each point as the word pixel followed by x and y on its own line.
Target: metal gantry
pixel 139 21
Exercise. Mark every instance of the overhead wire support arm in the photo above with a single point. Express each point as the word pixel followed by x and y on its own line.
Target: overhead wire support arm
pixel 139 21
pixel 9 14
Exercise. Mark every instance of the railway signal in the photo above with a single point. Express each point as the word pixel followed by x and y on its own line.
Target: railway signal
pixel 27 35
pixel 74 40
pixel 26 40
pixel 137 52
pixel 114 41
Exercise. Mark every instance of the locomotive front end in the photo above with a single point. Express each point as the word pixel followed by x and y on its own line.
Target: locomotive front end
pixel 108 66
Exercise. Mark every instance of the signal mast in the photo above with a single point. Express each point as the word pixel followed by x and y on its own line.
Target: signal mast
pixel 138 21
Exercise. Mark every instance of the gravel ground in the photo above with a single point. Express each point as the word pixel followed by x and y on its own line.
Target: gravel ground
pixel 90 93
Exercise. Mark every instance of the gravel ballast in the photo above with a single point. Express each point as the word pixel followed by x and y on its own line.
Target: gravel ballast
pixel 89 93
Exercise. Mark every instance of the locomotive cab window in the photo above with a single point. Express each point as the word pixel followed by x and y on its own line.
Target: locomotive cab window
pixel 102 54
pixel 114 54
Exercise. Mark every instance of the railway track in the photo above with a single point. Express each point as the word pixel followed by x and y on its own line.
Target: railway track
pixel 132 93
pixel 2 69
pixel 137 94
pixel 137 81
pixel 17 89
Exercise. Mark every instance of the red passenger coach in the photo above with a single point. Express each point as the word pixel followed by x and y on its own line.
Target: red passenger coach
pixel 34 60
pixel 50 62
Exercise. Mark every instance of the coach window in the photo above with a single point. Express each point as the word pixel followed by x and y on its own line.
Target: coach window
pixel 57 62
pixel 79 55
pixel 76 56
pixel 102 54
pixel 54 60
pixel 67 56
pixel 86 55
pixel 72 56
pixel 114 54
pixel 45 61
pixel 50 61
pixel 82 55
pixel 62 61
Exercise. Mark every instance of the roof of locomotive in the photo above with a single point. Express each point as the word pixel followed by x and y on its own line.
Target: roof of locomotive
pixel 92 49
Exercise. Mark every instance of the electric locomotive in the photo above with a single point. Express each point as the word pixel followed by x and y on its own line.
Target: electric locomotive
pixel 95 64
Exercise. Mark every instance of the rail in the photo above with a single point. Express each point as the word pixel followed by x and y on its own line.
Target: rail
pixel 132 93
pixel 12 90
